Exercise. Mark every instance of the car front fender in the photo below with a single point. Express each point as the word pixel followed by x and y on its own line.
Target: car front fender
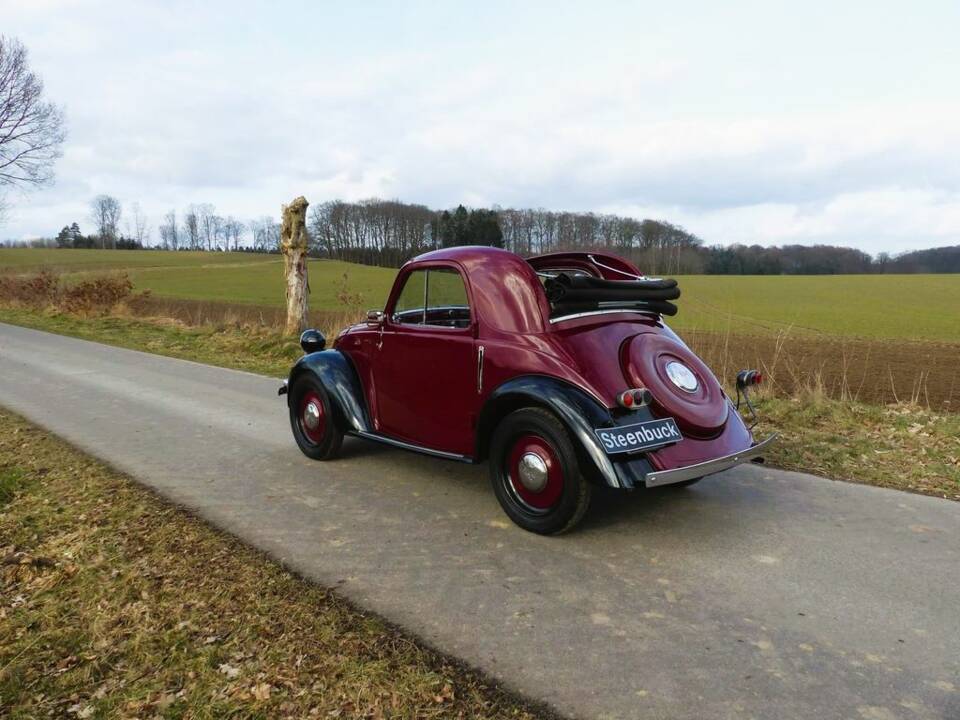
pixel 340 379
pixel 577 410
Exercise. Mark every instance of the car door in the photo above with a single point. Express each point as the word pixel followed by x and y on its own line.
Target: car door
pixel 425 366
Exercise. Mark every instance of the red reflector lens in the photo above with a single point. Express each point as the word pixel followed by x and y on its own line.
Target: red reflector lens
pixel 758 379
pixel 626 399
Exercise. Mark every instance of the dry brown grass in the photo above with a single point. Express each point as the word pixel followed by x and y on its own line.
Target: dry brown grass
pixel 857 370
pixel 902 446
pixel 115 604
pixel 197 313
pixel 85 296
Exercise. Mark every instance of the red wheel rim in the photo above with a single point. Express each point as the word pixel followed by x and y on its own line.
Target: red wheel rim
pixel 313 420
pixel 534 473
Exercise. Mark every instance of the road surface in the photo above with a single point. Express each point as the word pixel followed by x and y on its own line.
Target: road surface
pixel 757 593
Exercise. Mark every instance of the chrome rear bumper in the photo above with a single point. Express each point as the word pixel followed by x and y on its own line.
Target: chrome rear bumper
pixel 666 477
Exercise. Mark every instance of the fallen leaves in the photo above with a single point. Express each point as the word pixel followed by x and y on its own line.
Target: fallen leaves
pixel 228 670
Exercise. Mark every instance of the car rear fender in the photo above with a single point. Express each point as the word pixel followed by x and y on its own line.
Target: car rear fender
pixel 340 379
pixel 577 410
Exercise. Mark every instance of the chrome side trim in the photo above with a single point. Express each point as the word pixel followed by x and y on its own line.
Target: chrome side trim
pixel 426 287
pixel 480 369
pixel 410 446
pixel 667 477
pixel 574 316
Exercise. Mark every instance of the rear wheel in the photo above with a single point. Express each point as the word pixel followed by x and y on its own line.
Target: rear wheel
pixel 312 421
pixel 535 473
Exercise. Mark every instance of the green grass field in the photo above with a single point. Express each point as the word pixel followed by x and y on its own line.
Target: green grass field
pixel 923 307
pixel 30 259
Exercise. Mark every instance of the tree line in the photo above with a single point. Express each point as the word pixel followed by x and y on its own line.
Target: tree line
pixel 389 232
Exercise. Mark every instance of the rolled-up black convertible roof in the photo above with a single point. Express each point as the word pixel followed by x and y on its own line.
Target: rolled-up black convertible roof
pixel 570 294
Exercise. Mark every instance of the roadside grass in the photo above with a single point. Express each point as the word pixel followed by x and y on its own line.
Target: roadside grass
pixel 254 349
pixel 113 603
pixel 903 446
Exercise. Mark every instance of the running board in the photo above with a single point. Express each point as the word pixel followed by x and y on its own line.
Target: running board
pixel 376 437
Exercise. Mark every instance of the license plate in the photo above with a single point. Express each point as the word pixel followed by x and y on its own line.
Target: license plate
pixel 641 436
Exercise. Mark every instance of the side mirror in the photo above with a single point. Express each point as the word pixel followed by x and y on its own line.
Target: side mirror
pixel 374 317
pixel 312 341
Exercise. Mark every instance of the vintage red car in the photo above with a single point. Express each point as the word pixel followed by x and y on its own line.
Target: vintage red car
pixel 559 369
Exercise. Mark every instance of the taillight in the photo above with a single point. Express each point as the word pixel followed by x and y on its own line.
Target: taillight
pixel 748 378
pixel 634 398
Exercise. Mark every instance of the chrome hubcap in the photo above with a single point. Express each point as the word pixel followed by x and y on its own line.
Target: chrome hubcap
pixel 682 376
pixel 311 416
pixel 533 472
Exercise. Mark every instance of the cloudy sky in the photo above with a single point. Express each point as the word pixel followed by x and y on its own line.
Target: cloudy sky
pixel 768 122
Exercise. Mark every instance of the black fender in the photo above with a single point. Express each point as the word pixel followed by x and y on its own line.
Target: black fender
pixel 340 379
pixel 577 410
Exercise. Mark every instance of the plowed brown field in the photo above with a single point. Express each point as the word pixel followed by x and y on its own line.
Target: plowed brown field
pixel 875 371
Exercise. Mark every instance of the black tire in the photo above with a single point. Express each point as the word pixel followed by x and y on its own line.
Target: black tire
pixel 552 509
pixel 323 441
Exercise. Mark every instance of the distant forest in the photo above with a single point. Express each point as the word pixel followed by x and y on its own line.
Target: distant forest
pixel 389 232
pixel 382 232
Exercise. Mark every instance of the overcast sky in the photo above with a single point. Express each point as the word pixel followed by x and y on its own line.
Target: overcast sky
pixel 766 122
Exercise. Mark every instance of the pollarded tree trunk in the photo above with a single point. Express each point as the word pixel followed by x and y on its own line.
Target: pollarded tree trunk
pixel 293 245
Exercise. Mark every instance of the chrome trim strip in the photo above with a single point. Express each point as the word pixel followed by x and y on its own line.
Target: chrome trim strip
pixel 480 369
pixel 588 313
pixel 667 477
pixel 596 262
pixel 410 446
pixel 426 286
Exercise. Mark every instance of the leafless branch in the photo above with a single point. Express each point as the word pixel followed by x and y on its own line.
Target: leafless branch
pixel 31 129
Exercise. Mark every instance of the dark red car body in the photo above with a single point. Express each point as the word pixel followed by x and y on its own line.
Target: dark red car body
pixel 443 389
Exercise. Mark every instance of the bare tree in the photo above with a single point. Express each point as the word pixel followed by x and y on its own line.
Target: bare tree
pixel 232 229
pixel 31 129
pixel 266 233
pixel 206 224
pixel 105 213
pixel 137 225
pixel 169 231
pixel 191 228
pixel 216 232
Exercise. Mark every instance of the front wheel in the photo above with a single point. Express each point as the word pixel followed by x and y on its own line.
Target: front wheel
pixel 535 473
pixel 312 421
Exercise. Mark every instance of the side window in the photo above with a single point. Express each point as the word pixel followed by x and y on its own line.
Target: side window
pixel 446 299
pixel 446 292
pixel 409 307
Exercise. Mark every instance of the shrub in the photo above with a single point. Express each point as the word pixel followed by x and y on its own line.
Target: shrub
pixel 100 294
pixel 46 289
pixel 39 290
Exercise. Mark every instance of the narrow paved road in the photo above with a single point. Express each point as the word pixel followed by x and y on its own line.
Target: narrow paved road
pixel 757 593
